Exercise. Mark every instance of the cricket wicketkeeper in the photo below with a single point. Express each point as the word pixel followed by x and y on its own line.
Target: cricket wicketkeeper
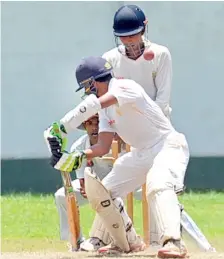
pixel 99 236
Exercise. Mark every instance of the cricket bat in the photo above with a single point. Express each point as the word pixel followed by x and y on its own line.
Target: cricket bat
pixel 72 209
pixel 71 201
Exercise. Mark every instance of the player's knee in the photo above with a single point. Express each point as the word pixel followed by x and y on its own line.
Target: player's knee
pixel 153 187
pixel 113 188
pixel 109 187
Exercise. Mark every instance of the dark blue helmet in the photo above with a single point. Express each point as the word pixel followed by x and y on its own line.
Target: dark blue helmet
pixel 128 20
pixel 90 69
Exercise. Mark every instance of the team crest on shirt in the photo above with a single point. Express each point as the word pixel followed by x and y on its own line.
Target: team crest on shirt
pixel 107 65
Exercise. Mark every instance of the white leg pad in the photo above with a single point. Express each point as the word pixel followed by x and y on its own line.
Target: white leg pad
pixel 164 206
pixel 98 230
pixel 131 233
pixel 154 231
pixel 101 201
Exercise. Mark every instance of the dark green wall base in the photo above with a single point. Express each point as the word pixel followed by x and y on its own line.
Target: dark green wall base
pixel 36 175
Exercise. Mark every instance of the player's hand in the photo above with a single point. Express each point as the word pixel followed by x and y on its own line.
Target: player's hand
pixel 82 188
pixel 56 130
pixel 62 160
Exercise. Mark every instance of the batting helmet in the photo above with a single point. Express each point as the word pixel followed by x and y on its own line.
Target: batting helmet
pixel 128 20
pixel 90 69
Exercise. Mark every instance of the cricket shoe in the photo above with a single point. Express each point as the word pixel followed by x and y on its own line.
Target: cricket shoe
pixel 92 244
pixel 138 245
pixel 173 249
pixel 112 249
pixel 73 249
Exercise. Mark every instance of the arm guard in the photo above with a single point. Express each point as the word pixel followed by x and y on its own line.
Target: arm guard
pixel 87 108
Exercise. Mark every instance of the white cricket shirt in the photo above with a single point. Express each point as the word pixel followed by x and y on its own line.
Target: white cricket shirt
pixel 136 118
pixel 142 71
pixel 100 166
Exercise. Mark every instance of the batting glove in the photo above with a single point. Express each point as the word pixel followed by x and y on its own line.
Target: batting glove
pixel 56 130
pixel 62 160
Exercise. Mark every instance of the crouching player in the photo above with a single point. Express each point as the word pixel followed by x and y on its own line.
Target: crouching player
pixel 100 166
pixel 98 236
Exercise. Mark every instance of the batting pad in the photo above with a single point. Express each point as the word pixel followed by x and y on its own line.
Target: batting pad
pixel 164 205
pixel 98 230
pixel 102 203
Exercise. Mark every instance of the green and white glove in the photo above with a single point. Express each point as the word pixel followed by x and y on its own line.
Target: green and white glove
pixel 67 162
pixel 58 131
pixel 60 158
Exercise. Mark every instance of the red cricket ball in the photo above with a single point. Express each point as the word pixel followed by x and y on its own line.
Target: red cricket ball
pixel 148 55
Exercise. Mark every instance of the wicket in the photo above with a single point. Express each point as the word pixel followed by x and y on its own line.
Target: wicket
pixel 130 198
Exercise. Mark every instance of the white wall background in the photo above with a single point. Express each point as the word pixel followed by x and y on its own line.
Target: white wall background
pixel 42 42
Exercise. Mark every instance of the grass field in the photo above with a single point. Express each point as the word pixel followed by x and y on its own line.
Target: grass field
pixel 30 222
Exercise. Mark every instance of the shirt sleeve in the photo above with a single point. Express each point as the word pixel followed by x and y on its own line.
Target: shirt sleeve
pixel 111 56
pixel 107 57
pixel 163 82
pixel 126 93
pixel 104 123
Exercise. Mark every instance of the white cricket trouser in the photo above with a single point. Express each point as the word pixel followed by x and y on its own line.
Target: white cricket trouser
pixel 162 167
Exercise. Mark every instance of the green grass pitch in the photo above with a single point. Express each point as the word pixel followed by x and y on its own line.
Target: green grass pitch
pixel 30 222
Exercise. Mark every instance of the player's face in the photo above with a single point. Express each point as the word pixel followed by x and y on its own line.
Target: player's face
pixel 134 45
pixel 92 127
pixel 133 39
pixel 101 88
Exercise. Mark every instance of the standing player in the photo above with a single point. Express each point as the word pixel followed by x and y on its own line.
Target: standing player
pixel 150 65
pixel 136 58
pixel 155 76
pixel 160 155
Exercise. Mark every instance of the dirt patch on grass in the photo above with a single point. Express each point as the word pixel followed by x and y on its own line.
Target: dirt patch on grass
pixel 84 255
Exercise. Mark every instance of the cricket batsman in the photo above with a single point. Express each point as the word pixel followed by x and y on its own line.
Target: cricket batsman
pixel 159 156
pixel 150 65
pixel 155 76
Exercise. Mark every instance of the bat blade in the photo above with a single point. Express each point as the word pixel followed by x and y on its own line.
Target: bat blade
pixel 73 219
pixel 73 210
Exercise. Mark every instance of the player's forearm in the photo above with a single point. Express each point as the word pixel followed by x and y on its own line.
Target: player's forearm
pixel 163 82
pixel 97 150
pixel 81 113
